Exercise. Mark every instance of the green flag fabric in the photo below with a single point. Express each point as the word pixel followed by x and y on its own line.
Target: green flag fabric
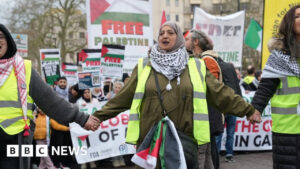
pixel 253 36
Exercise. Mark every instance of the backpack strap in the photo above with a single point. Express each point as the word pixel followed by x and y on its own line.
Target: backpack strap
pixel 207 55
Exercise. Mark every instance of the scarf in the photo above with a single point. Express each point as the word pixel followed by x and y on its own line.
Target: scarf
pixel 162 141
pixel 17 63
pixel 171 65
pixel 280 65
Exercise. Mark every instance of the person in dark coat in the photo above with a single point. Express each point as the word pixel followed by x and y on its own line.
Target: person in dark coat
pixel 19 81
pixel 280 83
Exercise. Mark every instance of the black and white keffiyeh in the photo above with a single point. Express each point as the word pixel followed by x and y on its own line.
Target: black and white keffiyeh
pixel 280 65
pixel 171 65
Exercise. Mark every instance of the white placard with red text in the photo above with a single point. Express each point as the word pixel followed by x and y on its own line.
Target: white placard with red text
pixel 249 136
pixel 221 30
pixel 107 141
pixel 127 23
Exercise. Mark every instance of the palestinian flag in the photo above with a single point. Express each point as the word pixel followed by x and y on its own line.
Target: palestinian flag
pixel 89 55
pixel 110 10
pixel 69 68
pixel 50 55
pixel 161 142
pixel 82 55
pixel 114 52
pixel 82 139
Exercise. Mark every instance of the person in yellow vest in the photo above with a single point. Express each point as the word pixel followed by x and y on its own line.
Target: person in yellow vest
pixel 280 83
pixel 186 86
pixel 249 78
pixel 20 87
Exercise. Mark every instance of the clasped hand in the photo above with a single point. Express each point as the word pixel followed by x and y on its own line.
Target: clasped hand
pixel 92 123
pixel 255 117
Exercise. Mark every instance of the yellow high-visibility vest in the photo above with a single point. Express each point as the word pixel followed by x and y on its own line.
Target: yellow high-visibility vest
pixel 248 79
pixel 11 114
pixel 285 106
pixel 197 71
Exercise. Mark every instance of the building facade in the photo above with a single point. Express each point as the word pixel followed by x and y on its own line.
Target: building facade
pixel 182 11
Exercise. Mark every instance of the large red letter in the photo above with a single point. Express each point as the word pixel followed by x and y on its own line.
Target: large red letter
pixel 139 28
pixel 118 27
pixel 129 27
pixel 106 25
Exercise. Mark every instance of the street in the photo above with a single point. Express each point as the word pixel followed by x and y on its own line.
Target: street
pixel 247 160
pixel 243 160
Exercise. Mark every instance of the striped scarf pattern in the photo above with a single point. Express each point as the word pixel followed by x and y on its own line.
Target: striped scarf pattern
pixel 170 65
pixel 280 65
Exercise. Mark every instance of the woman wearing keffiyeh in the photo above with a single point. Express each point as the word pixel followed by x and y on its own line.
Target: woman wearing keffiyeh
pixel 280 83
pixel 20 86
pixel 177 77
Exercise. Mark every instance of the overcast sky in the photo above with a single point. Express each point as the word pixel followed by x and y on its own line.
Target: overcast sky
pixel 5 6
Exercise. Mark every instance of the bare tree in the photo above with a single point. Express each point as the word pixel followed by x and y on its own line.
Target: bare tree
pixel 49 24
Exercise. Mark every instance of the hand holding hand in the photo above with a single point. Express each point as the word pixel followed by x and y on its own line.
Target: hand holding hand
pixel 92 123
pixel 255 117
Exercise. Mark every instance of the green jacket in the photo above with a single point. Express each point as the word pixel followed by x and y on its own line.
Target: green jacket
pixel 178 102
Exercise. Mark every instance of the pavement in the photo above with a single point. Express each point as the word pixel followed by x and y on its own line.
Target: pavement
pixel 249 160
pixel 242 160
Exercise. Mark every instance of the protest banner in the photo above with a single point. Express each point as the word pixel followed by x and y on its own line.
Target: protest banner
pixel 87 80
pixel 132 55
pixel 252 137
pixel 90 108
pixel 107 141
pixel 50 64
pixel 112 59
pixel 274 10
pixel 69 71
pixel 89 59
pixel 125 23
pixel 221 30
pixel 21 41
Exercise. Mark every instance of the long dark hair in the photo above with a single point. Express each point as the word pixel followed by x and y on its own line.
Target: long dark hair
pixel 287 34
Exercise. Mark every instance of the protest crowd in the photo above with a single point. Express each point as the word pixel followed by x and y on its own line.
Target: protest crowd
pixel 181 106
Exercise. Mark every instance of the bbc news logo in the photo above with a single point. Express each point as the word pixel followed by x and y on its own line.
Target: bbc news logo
pixel 43 151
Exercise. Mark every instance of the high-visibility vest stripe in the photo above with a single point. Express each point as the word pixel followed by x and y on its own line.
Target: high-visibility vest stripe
pixel 282 110
pixel 199 95
pixel 134 117
pixel 285 90
pixel 201 117
pixel 9 122
pixel 14 104
pixel 138 95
